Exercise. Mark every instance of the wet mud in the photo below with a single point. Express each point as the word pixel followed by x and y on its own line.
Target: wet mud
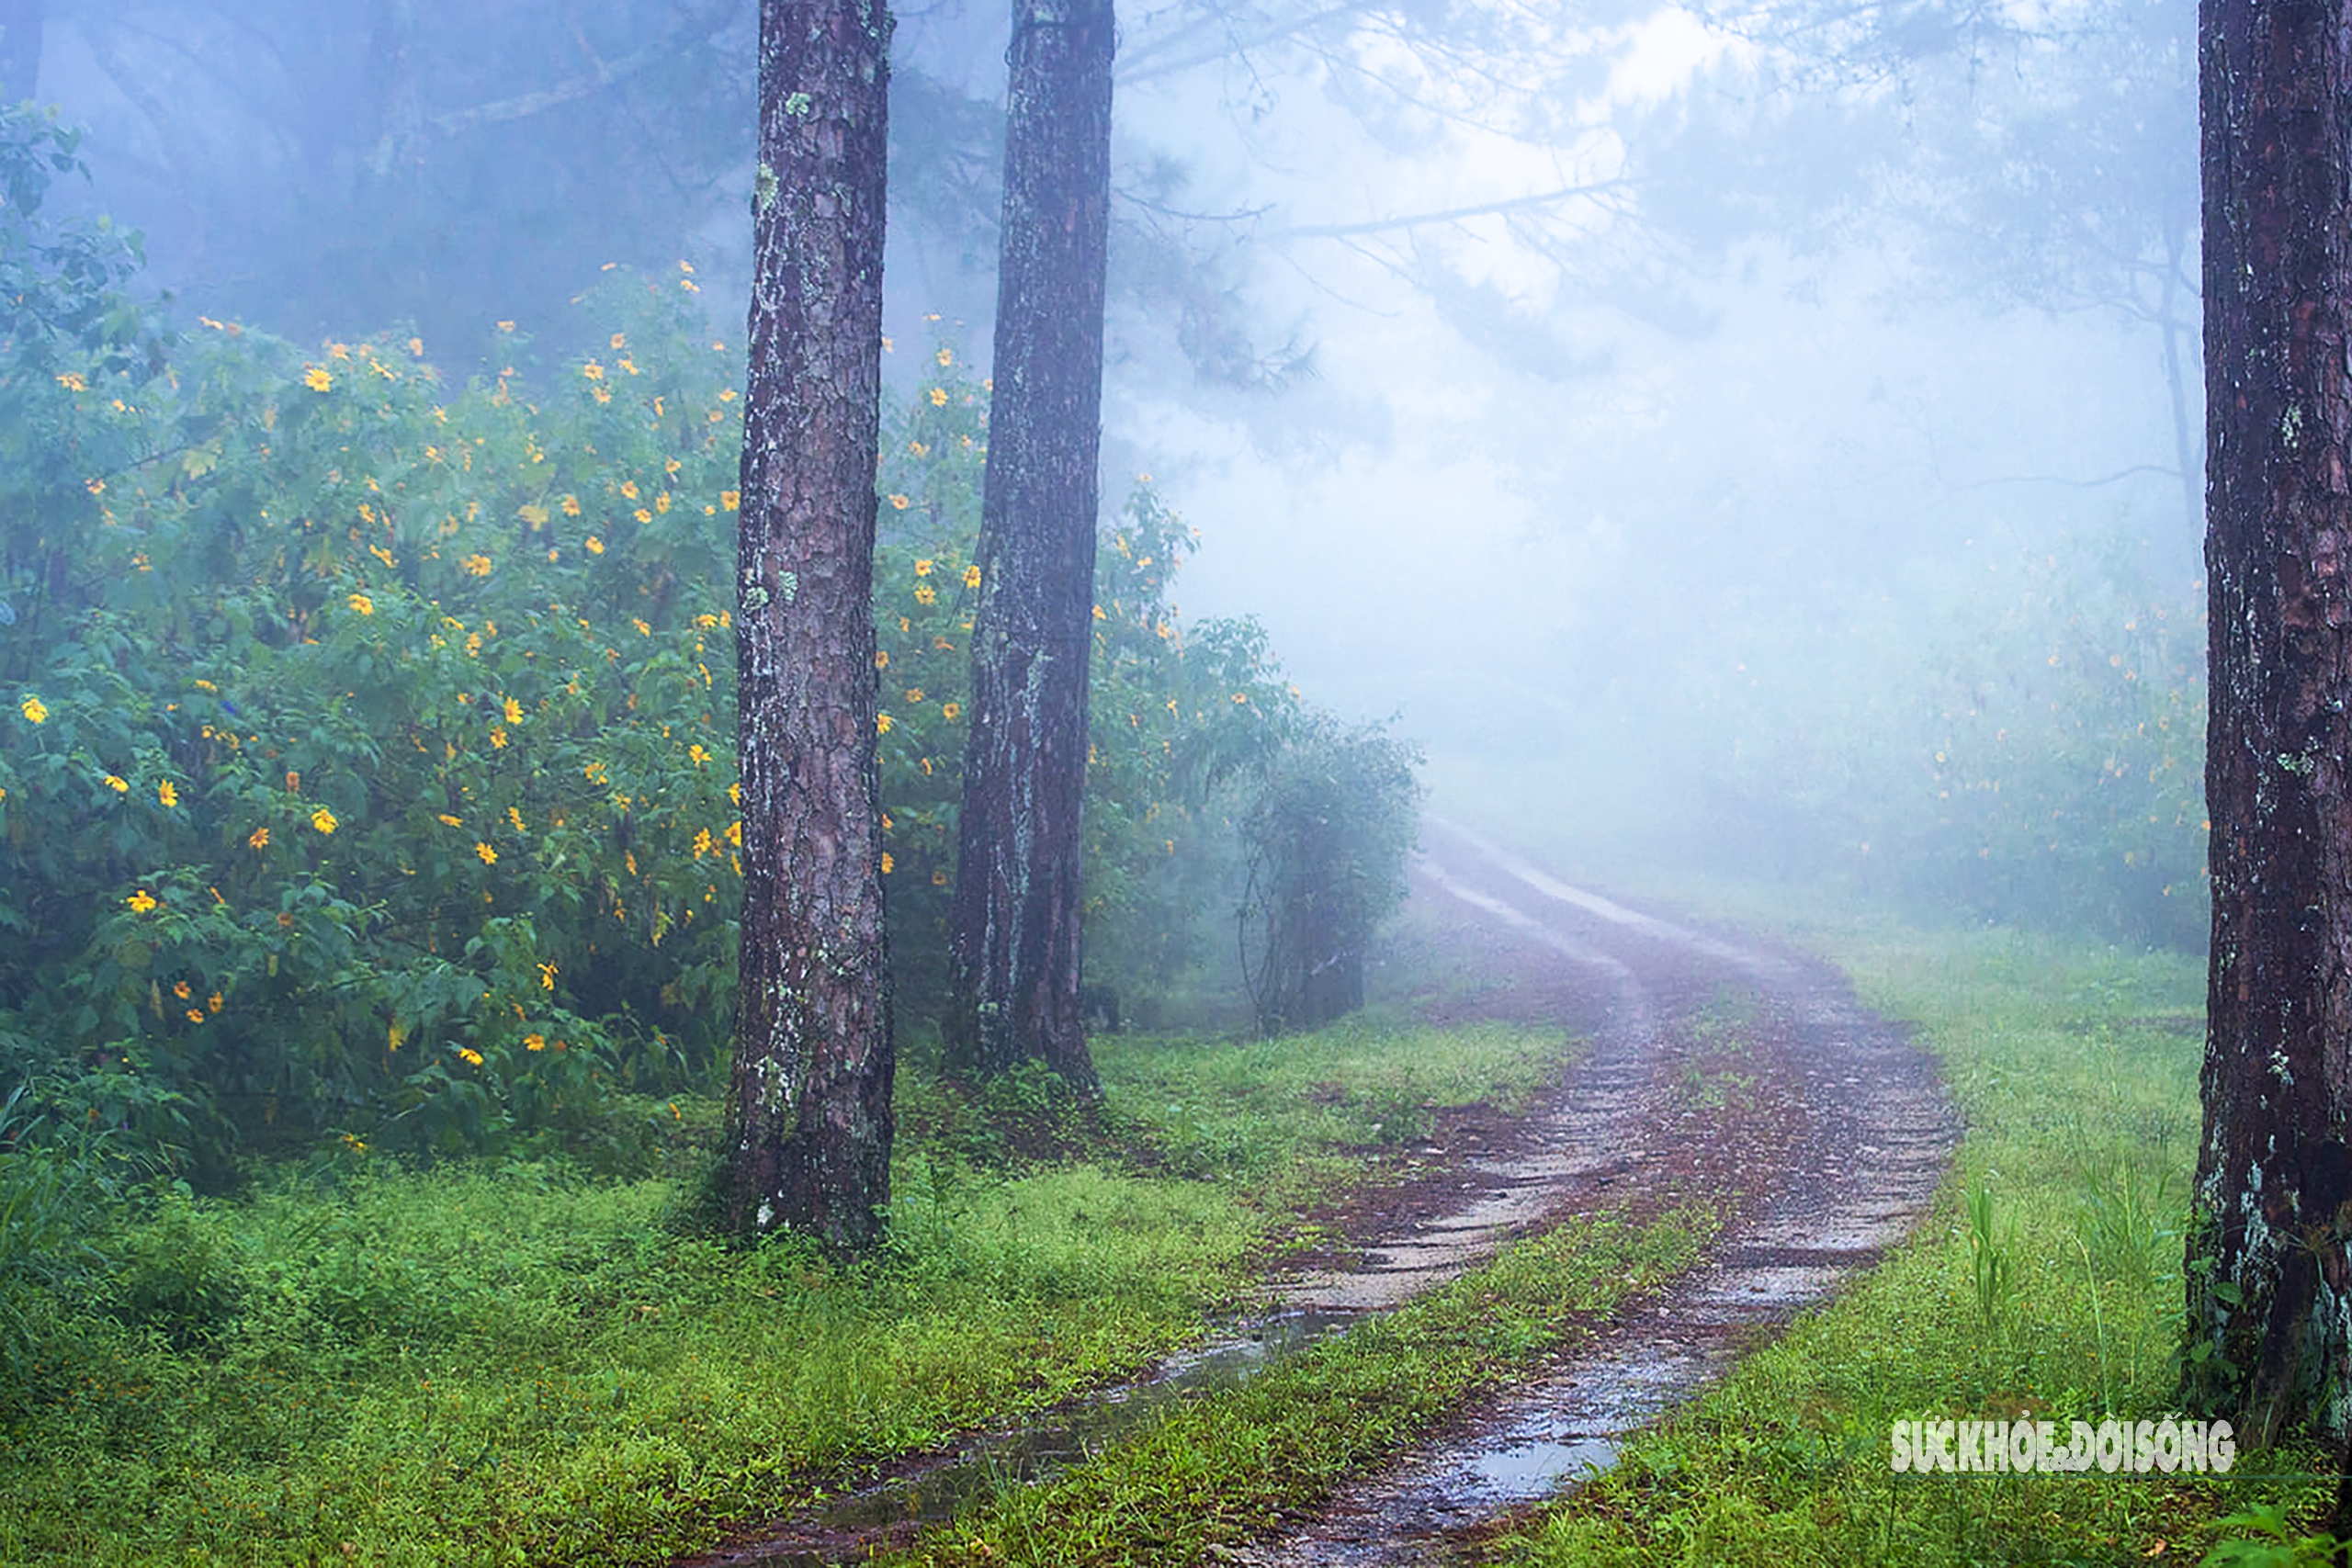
pixel 1846 1135
pixel 1716 1071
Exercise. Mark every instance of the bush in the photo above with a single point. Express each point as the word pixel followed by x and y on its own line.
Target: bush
pixel 367 760
pixel 1327 822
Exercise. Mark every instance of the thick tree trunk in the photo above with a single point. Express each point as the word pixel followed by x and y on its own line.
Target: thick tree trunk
pixel 808 1126
pixel 1013 937
pixel 2270 1293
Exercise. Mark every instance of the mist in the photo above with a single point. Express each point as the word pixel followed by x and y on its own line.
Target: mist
pixel 605 956
pixel 1687 423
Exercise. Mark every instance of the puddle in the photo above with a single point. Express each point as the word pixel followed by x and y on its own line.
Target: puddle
pixel 1856 1172
pixel 1525 1472
pixel 1850 1175
pixel 936 1490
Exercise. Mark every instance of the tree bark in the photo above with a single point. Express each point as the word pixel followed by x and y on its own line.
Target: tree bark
pixel 1013 934
pixel 809 1121
pixel 2269 1292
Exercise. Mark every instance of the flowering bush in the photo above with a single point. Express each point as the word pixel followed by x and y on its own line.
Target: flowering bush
pixel 367 760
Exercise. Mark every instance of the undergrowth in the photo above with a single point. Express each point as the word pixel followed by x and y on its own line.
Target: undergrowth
pixel 2045 1285
pixel 492 1362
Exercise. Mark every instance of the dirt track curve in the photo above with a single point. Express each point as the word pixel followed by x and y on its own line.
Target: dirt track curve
pixel 1721 1070
pixel 1718 1071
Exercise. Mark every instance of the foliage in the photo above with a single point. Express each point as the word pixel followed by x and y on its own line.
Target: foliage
pixel 331 800
pixel 2275 1543
pixel 498 1360
pixel 367 766
pixel 2033 752
pixel 61 280
pixel 55 1186
pixel 1327 823
pixel 1991 1269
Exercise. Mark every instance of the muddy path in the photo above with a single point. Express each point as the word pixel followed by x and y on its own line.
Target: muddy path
pixel 1714 1070
pixel 1725 1071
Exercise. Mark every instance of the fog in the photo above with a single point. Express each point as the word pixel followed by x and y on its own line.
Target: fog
pixel 1731 437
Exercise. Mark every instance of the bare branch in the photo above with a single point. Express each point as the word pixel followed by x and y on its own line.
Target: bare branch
pixel 1452 215
pixel 1231 45
pixel 1240 215
pixel 458 122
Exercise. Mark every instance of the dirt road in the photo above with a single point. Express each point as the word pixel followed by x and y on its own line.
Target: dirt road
pixel 1718 1071
pixel 1722 1069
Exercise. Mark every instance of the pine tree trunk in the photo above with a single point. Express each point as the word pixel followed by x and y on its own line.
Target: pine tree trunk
pixel 2270 1293
pixel 1013 936
pixel 808 1132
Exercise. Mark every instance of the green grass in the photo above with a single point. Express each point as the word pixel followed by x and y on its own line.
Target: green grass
pixel 1251 1108
pixel 491 1364
pixel 2076 1068
pixel 1227 1467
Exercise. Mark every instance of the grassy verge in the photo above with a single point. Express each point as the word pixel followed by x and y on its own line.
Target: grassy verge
pixel 2077 1071
pixel 1229 1466
pixel 496 1364
pixel 1274 1110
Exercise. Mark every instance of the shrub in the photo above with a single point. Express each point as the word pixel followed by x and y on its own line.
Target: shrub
pixel 1327 822
pixel 367 760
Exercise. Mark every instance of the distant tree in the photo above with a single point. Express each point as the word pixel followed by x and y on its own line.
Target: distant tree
pixel 316 168
pixel 1327 822
pixel 1015 931
pixel 2025 158
pixel 20 35
pixel 809 1113
pixel 2269 1275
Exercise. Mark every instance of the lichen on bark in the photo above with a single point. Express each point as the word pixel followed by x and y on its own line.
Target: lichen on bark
pixel 2267 1271
pixel 808 1107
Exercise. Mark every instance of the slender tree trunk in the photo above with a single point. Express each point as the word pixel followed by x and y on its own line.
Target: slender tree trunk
pixel 398 110
pixel 2269 1292
pixel 1013 936
pixel 2177 380
pixel 809 1116
pixel 20 30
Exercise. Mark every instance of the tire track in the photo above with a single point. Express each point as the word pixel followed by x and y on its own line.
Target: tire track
pixel 1865 1133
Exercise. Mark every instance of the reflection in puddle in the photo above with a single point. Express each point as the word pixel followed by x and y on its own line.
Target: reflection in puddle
pixel 1059 1438
pixel 1526 1472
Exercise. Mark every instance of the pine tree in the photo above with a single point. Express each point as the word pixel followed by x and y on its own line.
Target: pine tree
pixel 1014 933
pixel 809 1113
